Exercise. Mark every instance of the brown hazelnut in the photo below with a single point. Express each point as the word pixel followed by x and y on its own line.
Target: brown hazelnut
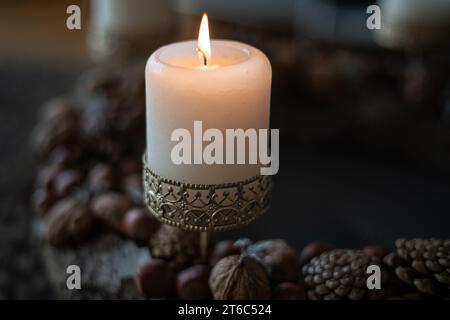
pixel 155 279
pixel 239 277
pixel 111 208
pixel 223 249
pixel 281 259
pixel 376 251
pixel 192 283
pixel 101 179
pixel 138 225
pixel 312 250
pixel 70 223
pixel 289 291
pixel 66 181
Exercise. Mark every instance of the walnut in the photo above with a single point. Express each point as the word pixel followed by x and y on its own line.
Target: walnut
pixel 239 277
pixel 70 223
pixel 280 258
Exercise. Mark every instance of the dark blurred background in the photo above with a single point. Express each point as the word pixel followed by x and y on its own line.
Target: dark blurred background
pixel 364 114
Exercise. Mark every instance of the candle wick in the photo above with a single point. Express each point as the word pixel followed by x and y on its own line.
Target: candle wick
pixel 205 61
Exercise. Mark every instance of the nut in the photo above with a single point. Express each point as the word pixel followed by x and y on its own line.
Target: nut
pixel 138 225
pixel 101 179
pixel 280 258
pixel 192 283
pixel 239 277
pixel 313 249
pixel 223 249
pixel 70 223
pixel 111 208
pixel 155 279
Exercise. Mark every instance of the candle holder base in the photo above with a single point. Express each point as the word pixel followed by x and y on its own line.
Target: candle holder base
pixel 203 207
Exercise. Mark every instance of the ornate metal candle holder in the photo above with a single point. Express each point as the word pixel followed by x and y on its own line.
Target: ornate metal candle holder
pixel 203 207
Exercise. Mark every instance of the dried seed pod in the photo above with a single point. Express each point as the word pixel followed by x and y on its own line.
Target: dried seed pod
pixel 138 225
pixel 280 258
pixel 192 283
pixel 239 277
pixel 179 246
pixel 111 208
pixel 70 223
pixel 155 279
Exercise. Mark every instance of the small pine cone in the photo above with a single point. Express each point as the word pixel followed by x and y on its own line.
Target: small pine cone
pixel 339 274
pixel 423 264
pixel 179 246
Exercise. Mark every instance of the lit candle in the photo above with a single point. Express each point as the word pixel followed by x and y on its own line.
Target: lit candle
pixel 224 84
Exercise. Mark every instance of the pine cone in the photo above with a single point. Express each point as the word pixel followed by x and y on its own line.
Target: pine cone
pixel 423 264
pixel 339 274
pixel 179 246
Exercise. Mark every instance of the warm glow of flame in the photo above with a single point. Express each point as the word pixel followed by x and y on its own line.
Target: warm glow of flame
pixel 204 44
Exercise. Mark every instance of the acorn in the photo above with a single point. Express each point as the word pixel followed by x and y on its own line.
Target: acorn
pixel 239 277
pixel 111 208
pixel 289 291
pixel 192 283
pixel 138 225
pixel 155 279
pixel 223 249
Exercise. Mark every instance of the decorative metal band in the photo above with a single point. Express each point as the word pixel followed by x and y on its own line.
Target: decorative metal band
pixel 201 207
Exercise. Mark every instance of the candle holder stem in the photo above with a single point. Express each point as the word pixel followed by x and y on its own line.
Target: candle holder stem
pixel 204 244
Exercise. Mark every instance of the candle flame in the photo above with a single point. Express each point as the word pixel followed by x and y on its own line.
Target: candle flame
pixel 204 44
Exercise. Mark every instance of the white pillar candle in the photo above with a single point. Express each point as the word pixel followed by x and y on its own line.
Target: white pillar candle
pixel 231 91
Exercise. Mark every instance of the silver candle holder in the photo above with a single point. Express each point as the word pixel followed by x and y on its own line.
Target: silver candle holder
pixel 205 207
